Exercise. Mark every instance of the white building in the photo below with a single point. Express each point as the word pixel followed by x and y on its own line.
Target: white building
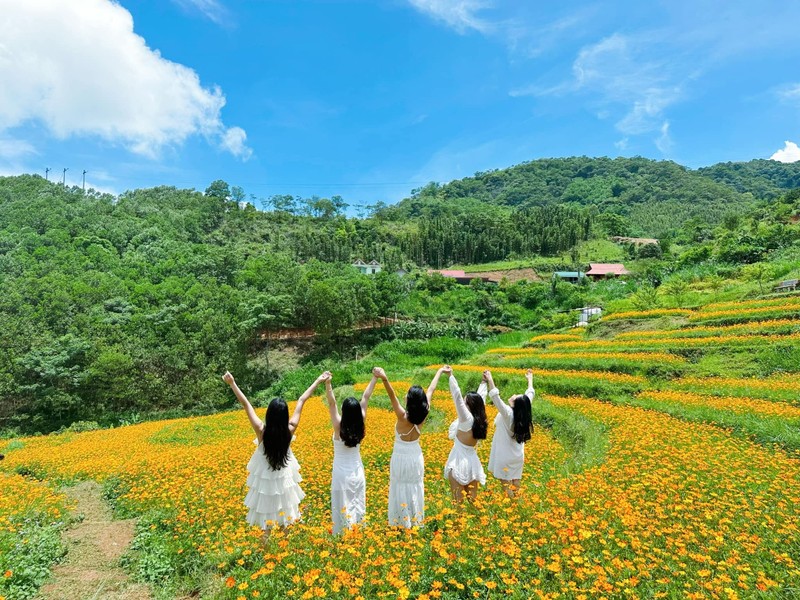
pixel 369 268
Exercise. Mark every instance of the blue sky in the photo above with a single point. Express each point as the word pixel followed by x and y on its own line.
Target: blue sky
pixel 369 99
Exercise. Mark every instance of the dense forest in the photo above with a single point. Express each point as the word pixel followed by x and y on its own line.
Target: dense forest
pixel 116 306
pixel 653 198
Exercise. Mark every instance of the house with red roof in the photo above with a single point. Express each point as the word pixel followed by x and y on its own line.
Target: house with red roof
pixel 606 270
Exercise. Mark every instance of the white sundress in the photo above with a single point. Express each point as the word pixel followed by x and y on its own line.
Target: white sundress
pixel 273 497
pixel 463 462
pixel 507 457
pixel 348 487
pixel 406 483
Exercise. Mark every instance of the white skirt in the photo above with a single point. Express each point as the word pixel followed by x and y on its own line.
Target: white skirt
pixel 273 497
pixel 507 457
pixel 464 464
pixel 348 487
pixel 407 485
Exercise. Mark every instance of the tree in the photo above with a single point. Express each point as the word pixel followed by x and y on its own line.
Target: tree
pixel 218 189
pixel 645 298
pixel 677 289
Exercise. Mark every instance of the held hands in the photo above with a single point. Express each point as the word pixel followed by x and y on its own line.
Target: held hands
pixel 228 378
pixel 379 373
pixel 487 377
pixel 325 377
pixel 447 370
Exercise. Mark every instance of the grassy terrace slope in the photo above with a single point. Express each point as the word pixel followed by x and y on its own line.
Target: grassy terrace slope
pixel 667 474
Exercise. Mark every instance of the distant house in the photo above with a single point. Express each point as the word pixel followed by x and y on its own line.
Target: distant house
pixel 635 241
pixel 606 270
pixel 401 272
pixel 790 285
pixel 460 276
pixel 569 276
pixel 587 313
pixel 369 268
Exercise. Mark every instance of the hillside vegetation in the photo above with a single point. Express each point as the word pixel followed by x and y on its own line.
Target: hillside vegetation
pixel 654 197
pixel 113 308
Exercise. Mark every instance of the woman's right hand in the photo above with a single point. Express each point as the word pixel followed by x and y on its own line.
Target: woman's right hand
pixel 228 378
pixel 379 373
pixel 447 370
pixel 326 376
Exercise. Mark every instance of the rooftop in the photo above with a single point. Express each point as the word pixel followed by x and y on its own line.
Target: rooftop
pixel 607 269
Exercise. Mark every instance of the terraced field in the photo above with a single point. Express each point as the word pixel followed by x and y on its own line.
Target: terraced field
pixel 654 472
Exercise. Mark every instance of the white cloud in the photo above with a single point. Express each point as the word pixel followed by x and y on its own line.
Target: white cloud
pixel 788 154
pixel 210 9
pixel 664 141
pixel 11 149
pixel 233 140
pixel 95 77
pixel 622 144
pixel 461 15
pixel 614 70
pixel 789 93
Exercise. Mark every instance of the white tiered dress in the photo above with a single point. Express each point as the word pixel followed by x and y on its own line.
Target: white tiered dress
pixel 348 487
pixel 507 457
pixel 273 497
pixel 406 483
pixel 463 462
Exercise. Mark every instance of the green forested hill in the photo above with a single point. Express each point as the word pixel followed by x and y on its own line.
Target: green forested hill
pixel 765 179
pixel 655 197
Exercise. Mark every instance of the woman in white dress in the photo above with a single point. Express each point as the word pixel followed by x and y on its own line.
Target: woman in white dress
pixel 513 425
pixel 463 468
pixel 348 484
pixel 407 467
pixel 274 494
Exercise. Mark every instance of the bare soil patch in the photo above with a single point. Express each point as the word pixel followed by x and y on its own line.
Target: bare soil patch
pixel 513 275
pixel 94 546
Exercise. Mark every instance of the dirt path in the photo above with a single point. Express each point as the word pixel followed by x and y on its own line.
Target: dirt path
pixel 94 546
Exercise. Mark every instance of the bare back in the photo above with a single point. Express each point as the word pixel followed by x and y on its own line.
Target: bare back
pixel 408 431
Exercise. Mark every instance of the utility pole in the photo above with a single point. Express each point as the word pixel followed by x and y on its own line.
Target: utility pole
pixel 84 181
pixel 46 172
pixel 64 176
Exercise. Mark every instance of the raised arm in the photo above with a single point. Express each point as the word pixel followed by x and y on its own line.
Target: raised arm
pixel 483 388
pixel 494 394
pixel 255 422
pixel 336 420
pixel 461 407
pixel 399 411
pixel 368 393
pixel 298 410
pixel 530 392
pixel 434 383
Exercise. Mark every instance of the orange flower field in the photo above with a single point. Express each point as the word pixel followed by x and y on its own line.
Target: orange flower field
pixel 670 504
pixel 536 355
pixel 715 340
pixel 708 330
pixel 649 314
pixel 738 405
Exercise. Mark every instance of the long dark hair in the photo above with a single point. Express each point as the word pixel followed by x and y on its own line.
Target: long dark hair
pixel 351 428
pixel 523 421
pixel 416 405
pixel 478 409
pixel 276 434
